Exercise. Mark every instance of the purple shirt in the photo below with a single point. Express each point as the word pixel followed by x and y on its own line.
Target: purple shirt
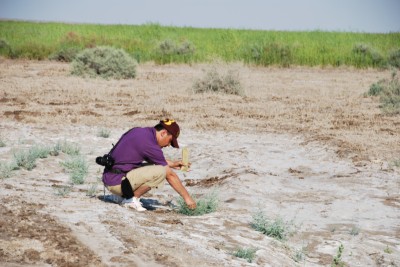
pixel 135 147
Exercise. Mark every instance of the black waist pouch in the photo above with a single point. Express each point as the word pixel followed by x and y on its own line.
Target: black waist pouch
pixel 126 188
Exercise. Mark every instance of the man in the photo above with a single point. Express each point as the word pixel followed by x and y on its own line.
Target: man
pixel 140 164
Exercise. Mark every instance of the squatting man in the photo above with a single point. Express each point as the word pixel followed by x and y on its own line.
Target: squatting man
pixel 138 165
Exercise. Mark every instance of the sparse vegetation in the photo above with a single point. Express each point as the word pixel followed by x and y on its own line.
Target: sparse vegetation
pixel 355 230
pixel 91 191
pixel 65 54
pixel 388 250
pixel 169 51
pixel 63 191
pixel 275 228
pixel 77 167
pixel 246 253
pixel 299 255
pixel 389 93
pixel 213 81
pixel 2 142
pixel 105 133
pixel 27 159
pixel 367 56
pixel 337 260
pixel 6 169
pixel 68 148
pixel 104 61
pixel 207 204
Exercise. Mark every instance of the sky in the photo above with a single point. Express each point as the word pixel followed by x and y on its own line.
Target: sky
pixel 371 16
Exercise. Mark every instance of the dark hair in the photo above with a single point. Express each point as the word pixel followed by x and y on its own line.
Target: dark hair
pixel 159 127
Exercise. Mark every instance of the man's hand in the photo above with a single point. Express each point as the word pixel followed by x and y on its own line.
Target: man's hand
pixel 176 164
pixel 191 203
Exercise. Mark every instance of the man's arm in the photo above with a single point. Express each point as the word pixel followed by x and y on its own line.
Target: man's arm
pixel 175 182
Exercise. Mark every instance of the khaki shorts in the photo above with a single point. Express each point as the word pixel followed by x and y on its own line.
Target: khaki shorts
pixel 153 176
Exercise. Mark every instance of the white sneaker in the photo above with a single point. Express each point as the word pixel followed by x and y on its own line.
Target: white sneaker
pixel 133 203
pixel 113 198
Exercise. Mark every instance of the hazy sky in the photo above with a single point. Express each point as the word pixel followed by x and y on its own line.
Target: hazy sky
pixel 328 15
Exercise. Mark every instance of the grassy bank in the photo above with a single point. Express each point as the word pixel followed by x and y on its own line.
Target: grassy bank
pixel 172 44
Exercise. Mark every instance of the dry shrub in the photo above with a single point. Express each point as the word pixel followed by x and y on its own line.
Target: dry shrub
pixel 213 81
pixel 389 93
pixel 106 62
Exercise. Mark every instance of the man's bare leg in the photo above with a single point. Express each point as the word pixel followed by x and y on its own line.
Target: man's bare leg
pixel 141 190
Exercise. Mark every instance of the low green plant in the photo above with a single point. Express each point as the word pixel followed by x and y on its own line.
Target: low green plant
pixel 2 142
pixel 337 260
pixel 105 133
pixel 104 61
pixel 213 81
pixel 366 55
pixel 65 54
pixel 91 191
pixel 77 168
pixel 276 228
pixel 355 230
pixel 394 58
pixel 63 191
pixel 245 253
pixel 26 159
pixel 6 169
pixel 388 250
pixel 207 204
pixel 169 51
pixel 389 93
pixel 299 255
pixel 396 163
pixel 68 148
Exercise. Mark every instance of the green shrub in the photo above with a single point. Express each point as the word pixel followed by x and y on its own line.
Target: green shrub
pixel 276 228
pixel 207 204
pixel 168 51
pixel 366 56
pixel 389 92
pixel 6 170
pixel 105 133
pixel 106 62
pixel 213 81
pixel 5 49
pixel 67 148
pixel 63 191
pixel 65 54
pixel 245 253
pixel 394 58
pixel 337 260
pixel 77 168
pixel 271 54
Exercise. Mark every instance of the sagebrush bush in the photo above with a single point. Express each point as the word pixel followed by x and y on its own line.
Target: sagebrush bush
pixel 207 204
pixel 169 51
pixel 6 169
pixel 394 58
pixel 77 168
pixel 366 55
pixel 389 93
pixel 65 54
pixel 276 228
pixel 245 253
pixel 213 81
pixel 106 62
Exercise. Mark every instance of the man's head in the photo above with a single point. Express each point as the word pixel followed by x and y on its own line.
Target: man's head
pixel 168 133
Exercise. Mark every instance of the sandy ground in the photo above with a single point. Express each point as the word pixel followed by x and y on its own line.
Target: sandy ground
pixel 303 145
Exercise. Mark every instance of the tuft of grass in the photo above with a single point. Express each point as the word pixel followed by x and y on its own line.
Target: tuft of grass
pixel 245 253
pixel 354 231
pixel 299 254
pixel 65 54
pixel 394 58
pixel 68 148
pixel 2 142
pixel 169 51
pixel 213 81
pixel 389 93
pixel 91 191
pixel 337 260
pixel 207 204
pixel 6 169
pixel 63 191
pixel 275 228
pixel 105 133
pixel 104 61
pixel 77 168
pixel 388 250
